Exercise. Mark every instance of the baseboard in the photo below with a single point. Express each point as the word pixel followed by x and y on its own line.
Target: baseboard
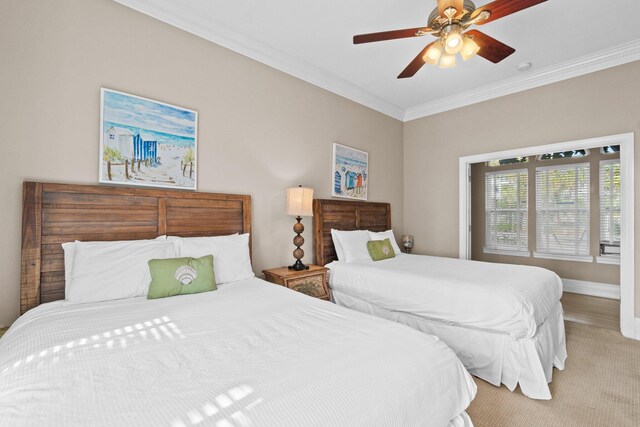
pixel 594 289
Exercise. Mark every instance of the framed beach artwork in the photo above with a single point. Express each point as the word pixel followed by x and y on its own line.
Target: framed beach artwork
pixel 147 143
pixel 350 172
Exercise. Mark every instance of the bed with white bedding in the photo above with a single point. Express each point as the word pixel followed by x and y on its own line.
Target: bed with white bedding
pixel 92 349
pixel 250 353
pixel 504 321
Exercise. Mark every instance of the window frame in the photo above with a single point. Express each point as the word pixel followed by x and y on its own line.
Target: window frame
pixel 524 212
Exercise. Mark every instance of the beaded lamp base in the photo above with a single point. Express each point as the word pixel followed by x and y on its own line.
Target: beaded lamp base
pixel 298 241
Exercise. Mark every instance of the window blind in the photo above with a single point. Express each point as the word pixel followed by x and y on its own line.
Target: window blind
pixel 506 210
pixel 610 202
pixel 562 209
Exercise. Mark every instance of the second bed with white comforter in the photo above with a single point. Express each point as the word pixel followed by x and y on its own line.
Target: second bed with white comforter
pixel 504 321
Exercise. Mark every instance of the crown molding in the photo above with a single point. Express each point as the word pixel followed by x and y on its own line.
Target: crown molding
pixel 194 22
pixel 597 61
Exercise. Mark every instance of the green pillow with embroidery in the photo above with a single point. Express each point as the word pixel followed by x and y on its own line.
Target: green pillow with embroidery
pixel 180 276
pixel 380 249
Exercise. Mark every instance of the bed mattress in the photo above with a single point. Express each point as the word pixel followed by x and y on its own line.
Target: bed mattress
pixel 504 298
pixel 248 354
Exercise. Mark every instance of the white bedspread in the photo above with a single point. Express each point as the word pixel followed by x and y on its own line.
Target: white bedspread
pixel 249 354
pixel 505 298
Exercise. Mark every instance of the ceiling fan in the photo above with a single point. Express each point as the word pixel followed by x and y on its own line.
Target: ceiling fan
pixel 448 23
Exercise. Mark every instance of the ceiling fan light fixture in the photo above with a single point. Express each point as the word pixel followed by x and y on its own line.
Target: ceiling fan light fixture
pixel 449 23
pixel 432 55
pixel 453 43
pixel 469 48
pixel 447 61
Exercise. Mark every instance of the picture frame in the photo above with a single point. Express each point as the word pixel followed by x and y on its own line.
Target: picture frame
pixel 350 175
pixel 148 143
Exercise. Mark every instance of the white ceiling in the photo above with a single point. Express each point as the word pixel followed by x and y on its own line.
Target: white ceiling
pixel 312 40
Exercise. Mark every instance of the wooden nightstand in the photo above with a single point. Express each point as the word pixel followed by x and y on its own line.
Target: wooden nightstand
pixel 312 282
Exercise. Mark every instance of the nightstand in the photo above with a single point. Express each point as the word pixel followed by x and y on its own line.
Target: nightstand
pixel 312 282
pixel 2 331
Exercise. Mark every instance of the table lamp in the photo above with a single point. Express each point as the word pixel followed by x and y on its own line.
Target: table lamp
pixel 299 204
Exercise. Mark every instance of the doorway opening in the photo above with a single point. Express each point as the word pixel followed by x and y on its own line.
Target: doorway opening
pixel 538 171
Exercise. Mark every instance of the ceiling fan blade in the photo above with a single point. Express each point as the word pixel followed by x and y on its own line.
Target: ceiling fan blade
pixel 391 35
pixel 445 4
pixel 415 65
pixel 490 48
pixel 502 8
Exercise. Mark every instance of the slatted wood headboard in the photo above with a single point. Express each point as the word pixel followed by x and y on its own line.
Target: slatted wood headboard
pixel 56 213
pixel 345 215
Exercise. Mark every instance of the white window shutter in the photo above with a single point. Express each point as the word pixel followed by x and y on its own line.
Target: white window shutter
pixel 506 210
pixel 562 209
pixel 610 202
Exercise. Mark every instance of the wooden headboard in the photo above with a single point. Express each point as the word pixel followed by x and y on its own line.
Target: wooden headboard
pixel 57 213
pixel 345 215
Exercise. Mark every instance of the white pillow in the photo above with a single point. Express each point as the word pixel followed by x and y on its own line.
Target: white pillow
pixel 69 249
pixel 336 244
pixel 353 244
pixel 386 235
pixel 231 261
pixel 103 271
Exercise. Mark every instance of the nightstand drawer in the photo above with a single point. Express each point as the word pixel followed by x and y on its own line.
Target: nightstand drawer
pixel 311 285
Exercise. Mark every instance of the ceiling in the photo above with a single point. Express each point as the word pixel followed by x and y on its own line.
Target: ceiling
pixel 313 41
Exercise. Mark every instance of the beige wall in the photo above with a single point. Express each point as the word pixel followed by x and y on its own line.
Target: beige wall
pixel 593 271
pixel 598 104
pixel 260 130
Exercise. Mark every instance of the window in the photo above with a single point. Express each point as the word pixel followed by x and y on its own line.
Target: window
pixel 610 149
pixel 562 210
pixel 610 207
pixel 494 163
pixel 564 155
pixel 506 212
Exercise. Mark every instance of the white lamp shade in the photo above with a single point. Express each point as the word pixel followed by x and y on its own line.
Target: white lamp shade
pixel 453 43
pixel 300 201
pixel 469 48
pixel 447 61
pixel 433 53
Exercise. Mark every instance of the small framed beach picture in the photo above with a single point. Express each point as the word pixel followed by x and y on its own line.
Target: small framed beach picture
pixel 147 143
pixel 350 172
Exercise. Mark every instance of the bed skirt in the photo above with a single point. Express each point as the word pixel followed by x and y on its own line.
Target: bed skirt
pixel 495 357
pixel 461 420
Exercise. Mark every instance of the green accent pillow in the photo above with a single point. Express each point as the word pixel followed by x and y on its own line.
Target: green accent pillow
pixel 180 276
pixel 380 249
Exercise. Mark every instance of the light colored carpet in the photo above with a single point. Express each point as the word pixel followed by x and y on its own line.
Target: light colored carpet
pixel 600 386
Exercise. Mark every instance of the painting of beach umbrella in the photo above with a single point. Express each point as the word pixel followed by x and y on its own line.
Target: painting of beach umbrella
pixel 147 143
